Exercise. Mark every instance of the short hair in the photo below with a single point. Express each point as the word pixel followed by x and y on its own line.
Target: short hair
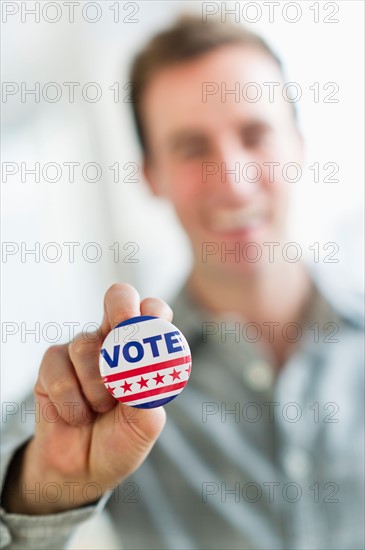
pixel 188 38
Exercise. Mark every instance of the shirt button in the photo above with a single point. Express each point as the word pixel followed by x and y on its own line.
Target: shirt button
pixel 258 375
pixel 297 463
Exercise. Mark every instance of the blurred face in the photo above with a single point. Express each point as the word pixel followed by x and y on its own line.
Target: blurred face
pixel 212 153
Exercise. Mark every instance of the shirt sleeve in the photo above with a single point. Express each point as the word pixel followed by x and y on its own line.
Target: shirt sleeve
pixel 19 531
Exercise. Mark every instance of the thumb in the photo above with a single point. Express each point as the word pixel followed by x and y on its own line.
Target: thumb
pixel 128 434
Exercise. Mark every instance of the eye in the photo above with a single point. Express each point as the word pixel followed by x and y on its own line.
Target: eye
pixel 254 136
pixel 190 145
pixel 194 150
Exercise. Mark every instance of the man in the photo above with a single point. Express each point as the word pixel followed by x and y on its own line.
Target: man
pixel 263 448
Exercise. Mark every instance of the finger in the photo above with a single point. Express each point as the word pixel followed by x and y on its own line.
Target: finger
pixel 58 383
pixel 157 308
pixel 121 302
pixel 84 354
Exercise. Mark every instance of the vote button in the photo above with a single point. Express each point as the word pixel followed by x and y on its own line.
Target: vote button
pixel 145 362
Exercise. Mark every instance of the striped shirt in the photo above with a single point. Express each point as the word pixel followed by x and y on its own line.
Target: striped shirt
pixel 249 457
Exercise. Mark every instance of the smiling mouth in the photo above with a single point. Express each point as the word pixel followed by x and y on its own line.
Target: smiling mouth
pixel 230 220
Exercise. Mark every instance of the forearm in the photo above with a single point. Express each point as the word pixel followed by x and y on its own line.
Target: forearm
pixel 25 530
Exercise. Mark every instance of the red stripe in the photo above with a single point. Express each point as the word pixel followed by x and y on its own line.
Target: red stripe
pixel 156 391
pixel 145 370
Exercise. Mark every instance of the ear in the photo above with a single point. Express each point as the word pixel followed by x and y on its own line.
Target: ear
pixel 149 173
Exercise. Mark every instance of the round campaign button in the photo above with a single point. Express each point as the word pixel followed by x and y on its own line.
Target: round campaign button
pixel 145 362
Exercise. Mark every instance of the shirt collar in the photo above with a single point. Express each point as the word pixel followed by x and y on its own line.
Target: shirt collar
pixel 190 317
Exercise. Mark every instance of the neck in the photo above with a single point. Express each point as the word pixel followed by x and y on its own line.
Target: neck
pixel 277 293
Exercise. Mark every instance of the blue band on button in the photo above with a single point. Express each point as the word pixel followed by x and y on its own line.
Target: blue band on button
pixel 156 403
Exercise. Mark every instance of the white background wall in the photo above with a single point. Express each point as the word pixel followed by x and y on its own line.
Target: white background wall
pixel 108 212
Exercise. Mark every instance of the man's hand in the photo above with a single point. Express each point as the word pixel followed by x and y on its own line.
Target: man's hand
pixel 83 434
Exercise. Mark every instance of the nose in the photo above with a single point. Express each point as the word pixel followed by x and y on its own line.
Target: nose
pixel 240 175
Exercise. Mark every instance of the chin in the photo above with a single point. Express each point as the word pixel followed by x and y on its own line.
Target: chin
pixel 244 247
pixel 242 269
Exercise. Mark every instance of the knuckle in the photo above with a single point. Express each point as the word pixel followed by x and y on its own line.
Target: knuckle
pixel 59 387
pixel 53 352
pixel 82 348
pixel 98 396
pixel 121 313
pixel 37 386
